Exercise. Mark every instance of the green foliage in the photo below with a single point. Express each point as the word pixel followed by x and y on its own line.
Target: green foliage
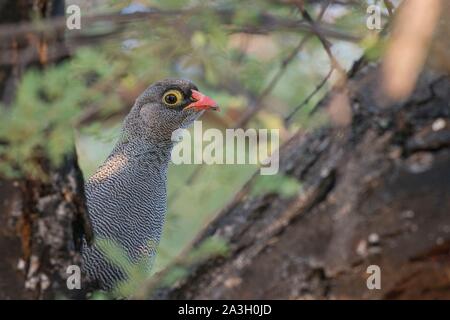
pixel 136 272
pixel 39 124
pixel 210 247
pixel 281 184
pixel 374 47
pixel 40 119
pixel 353 19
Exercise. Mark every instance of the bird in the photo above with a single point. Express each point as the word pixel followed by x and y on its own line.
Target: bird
pixel 127 195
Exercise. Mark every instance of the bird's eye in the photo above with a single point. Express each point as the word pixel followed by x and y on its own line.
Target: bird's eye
pixel 172 97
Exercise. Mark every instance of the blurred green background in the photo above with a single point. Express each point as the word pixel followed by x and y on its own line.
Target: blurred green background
pixel 234 68
pixel 230 49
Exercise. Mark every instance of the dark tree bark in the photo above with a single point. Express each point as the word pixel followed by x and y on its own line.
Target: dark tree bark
pixel 42 222
pixel 375 193
pixel 42 225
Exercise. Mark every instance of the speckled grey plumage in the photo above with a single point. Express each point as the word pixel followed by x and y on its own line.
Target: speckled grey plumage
pixel 126 197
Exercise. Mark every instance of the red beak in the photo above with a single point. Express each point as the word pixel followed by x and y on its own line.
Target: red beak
pixel 202 102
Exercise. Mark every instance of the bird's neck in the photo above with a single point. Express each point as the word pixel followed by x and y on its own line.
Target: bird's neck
pixel 141 148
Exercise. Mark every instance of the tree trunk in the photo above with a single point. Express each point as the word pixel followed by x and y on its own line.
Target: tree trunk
pixel 374 193
pixel 42 225
pixel 42 221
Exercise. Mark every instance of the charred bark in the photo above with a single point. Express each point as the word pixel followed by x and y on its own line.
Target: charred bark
pixel 42 220
pixel 42 225
pixel 374 193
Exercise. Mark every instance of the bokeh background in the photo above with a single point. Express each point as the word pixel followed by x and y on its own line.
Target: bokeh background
pixel 241 70
pixel 266 62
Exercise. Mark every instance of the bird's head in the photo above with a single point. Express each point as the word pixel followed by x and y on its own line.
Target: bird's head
pixel 166 106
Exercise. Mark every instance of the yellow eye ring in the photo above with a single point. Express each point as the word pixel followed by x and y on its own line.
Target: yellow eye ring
pixel 172 98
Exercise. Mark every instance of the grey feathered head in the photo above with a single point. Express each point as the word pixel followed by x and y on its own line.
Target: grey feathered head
pixel 165 106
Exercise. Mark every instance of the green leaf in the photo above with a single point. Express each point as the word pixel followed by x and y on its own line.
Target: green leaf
pixel 281 184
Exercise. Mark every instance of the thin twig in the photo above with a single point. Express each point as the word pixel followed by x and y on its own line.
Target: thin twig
pixel 325 43
pixel 257 105
pixel 390 7
pixel 266 23
pixel 319 86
